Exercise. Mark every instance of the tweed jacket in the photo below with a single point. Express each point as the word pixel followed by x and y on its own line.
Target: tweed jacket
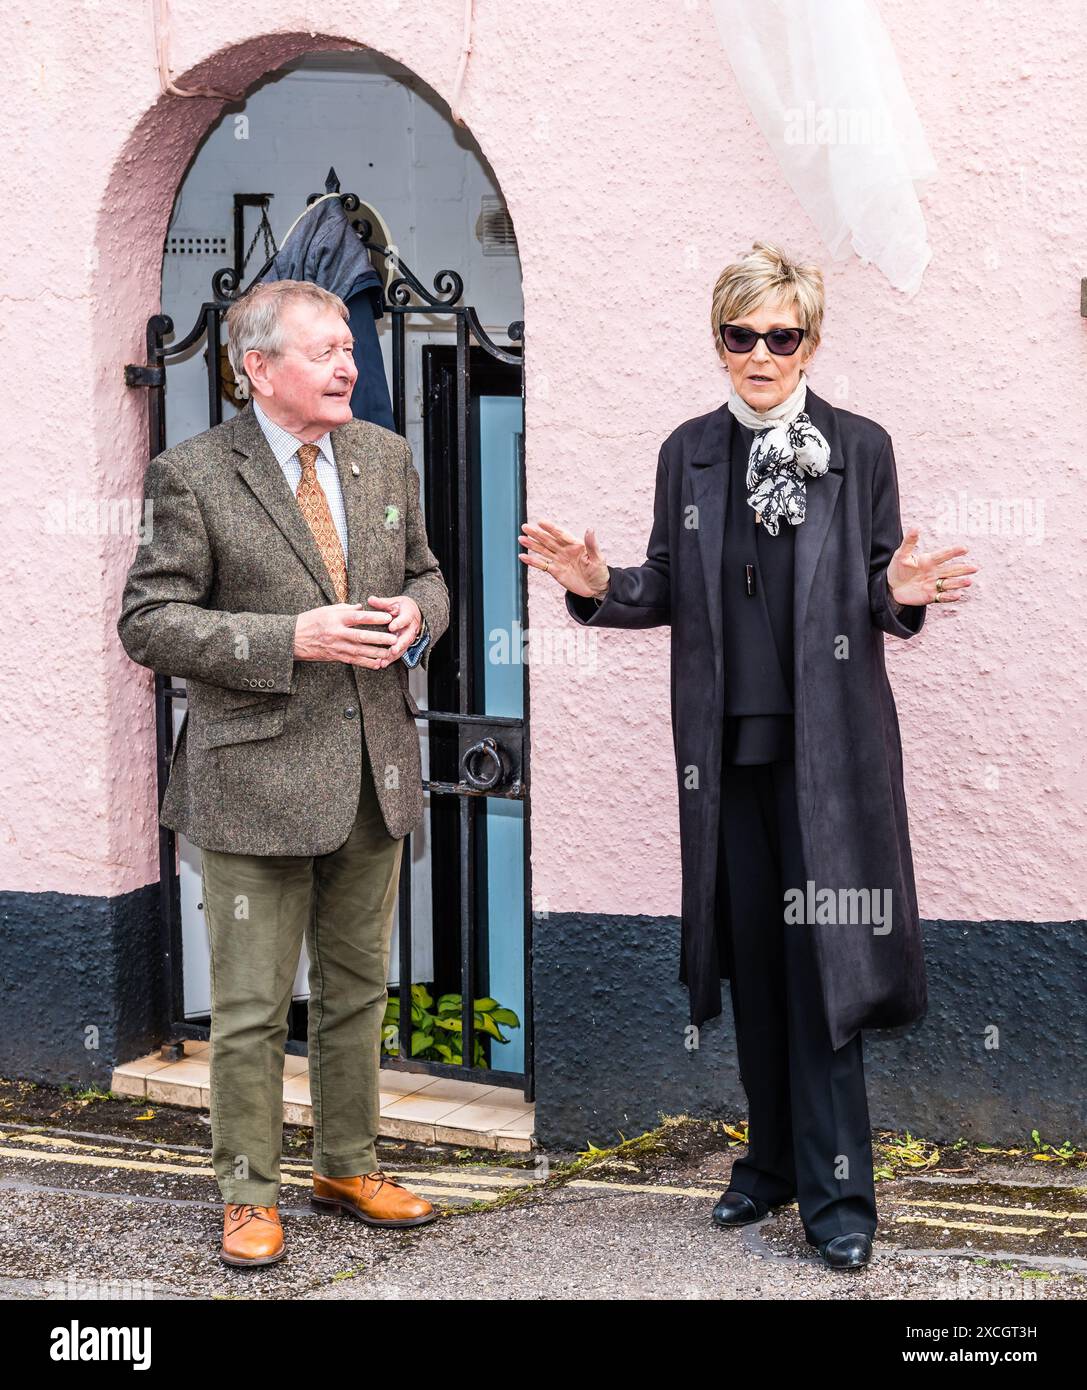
pixel 269 758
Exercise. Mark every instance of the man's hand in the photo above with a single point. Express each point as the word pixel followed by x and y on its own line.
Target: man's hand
pixel 348 632
pixel 406 622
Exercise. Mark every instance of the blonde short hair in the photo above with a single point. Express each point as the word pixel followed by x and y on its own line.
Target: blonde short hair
pixel 255 322
pixel 763 274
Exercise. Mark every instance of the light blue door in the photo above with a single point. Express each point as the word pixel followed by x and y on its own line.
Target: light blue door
pixel 499 439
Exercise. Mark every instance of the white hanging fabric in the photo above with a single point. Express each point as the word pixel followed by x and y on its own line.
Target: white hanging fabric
pixel 824 86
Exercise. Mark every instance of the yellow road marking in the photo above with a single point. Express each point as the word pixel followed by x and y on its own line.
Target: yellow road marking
pixel 1000 1211
pixel 969 1226
pixel 483 1179
pixel 458 1183
pixel 644 1187
pixel 142 1166
pixel 57 1141
pixel 456 1177
pixel 102 1156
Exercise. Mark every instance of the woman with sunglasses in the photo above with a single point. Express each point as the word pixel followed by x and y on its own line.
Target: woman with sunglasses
pixel 778 558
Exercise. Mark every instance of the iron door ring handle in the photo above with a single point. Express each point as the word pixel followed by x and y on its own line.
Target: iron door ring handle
pixel 484 765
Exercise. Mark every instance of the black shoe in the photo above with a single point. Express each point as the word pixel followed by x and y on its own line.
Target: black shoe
pixel 737 1209
pixel 851 1251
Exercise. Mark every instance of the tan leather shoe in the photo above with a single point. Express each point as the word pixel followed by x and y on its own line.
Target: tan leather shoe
pixel 252 1235
pixel 374 1198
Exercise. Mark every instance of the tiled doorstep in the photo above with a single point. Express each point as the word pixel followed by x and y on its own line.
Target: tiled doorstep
pixel 427 1109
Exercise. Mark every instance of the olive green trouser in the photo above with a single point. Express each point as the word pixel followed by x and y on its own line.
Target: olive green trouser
pixel 258 907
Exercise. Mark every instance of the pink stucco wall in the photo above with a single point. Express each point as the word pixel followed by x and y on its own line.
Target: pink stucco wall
pixel 632 174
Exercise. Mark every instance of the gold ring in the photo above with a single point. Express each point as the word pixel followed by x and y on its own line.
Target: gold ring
pixel 547 564
pixel 940 585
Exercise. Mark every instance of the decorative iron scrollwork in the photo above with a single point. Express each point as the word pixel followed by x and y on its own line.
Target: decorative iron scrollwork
pixel 226 283
pixel 448 285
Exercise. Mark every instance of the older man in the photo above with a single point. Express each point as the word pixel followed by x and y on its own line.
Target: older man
pixel 289 581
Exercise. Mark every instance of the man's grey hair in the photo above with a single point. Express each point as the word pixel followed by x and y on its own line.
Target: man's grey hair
pixel 254 321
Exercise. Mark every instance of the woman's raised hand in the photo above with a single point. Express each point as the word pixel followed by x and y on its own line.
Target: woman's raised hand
pixel 912 574
pixel 576 565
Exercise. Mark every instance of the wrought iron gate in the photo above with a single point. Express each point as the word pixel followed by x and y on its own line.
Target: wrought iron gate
pixel 473 756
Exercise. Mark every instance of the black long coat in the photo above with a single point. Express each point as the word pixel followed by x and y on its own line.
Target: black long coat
pixel 851 803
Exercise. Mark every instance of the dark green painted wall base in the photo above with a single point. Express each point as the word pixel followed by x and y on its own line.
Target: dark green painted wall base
pixel 612 1019
pixel 81 990
pixel 80 984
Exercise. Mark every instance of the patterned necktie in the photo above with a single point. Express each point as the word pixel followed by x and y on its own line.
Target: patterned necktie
pixel 315 508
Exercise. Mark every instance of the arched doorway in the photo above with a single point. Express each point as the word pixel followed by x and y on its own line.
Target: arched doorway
pixel 457 394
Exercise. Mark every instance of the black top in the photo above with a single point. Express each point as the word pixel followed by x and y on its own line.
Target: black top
pixel 758 628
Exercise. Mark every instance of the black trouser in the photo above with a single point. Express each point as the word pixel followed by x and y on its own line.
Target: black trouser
pixel 808 1126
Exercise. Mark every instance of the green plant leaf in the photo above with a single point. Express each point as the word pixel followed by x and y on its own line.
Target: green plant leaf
pixel 486 1024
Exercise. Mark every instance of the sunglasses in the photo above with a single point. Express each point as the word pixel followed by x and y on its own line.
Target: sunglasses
pixel 782 342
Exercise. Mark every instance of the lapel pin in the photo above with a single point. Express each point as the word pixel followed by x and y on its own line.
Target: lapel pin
pixel 392 516
pixel 355 469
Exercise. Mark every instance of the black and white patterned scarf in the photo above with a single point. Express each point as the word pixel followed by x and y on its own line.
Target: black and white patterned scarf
pixel 785 448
